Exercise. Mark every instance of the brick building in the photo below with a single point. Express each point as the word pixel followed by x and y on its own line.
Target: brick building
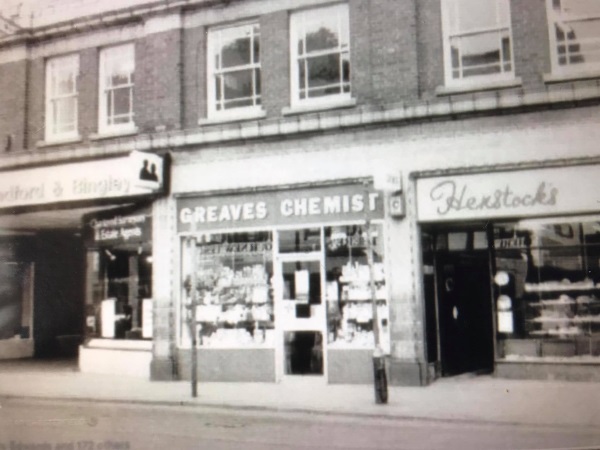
pixel 230 153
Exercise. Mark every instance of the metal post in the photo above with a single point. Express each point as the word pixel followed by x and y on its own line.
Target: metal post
pixel 192 316
pixel 379 374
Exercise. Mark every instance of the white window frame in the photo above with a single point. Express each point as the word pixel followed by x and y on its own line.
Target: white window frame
pixel 106 54
pixel 53 65
pixel 297 21
pixel 213 44
pixel 568 69
pixel 448 34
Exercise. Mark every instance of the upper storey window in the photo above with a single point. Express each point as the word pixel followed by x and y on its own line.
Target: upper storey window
pixel 117 68
pixel 574 35
pixel 320 52
pixel 477 41
pixel 234 85
pixel 61 97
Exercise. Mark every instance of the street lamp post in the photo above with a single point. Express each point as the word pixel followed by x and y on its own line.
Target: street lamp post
pixel 192 306
pixel 379 372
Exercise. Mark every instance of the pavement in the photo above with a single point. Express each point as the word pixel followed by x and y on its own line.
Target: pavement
pixel 473 399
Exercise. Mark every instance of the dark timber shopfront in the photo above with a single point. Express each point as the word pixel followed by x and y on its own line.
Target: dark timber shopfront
pixel 511 271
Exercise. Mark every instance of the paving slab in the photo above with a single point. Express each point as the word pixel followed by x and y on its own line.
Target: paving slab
pixel 468 398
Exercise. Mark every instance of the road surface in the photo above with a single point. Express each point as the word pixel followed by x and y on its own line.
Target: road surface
pixel 30 424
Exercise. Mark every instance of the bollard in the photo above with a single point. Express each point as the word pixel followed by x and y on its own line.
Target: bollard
pixel 380 378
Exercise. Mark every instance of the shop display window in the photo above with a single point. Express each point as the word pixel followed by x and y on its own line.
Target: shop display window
pixel 547 285
pixel 233 277
pixel 15 300
pixel 120 281
pixel 348 294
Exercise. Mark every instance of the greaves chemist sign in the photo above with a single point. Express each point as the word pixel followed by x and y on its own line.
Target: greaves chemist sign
pixel 313 205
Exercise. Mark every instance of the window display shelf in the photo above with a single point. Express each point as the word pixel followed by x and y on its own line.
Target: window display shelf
pixel 380 300
pixel 576 319
pixel 233 338
pixel 559 332
pixel 566 315
pixel 343 345
pixel 352 292
pixel 565 302
pixel 560 286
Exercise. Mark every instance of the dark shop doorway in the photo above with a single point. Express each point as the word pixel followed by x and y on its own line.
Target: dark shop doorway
pixel 463 302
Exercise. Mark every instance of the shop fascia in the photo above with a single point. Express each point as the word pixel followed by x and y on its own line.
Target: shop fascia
pixel 313 205
pixel 519 193
pixel 91 180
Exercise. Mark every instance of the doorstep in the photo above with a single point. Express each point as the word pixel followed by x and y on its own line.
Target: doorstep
pixel 116 357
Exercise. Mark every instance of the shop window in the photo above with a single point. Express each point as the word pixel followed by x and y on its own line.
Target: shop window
pixel 120 281
pixel 16 300
pixel 117 70
pixel 348 294
pixel 320 53
pixel 547 285
pixel 233 277
pixel 234 80
pixel 299 241
pixel 62 74
pixel 574 27
pixel 477 41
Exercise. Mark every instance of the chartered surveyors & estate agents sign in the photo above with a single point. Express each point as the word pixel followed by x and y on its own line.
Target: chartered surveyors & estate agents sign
pixel 509 194
pixel 123 226
pixel 338 203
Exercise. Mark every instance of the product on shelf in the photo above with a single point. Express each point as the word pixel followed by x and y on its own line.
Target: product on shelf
pixel 236 307
pixel 563 315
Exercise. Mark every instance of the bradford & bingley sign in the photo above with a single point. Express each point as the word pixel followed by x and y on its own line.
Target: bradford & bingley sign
pixel 133 175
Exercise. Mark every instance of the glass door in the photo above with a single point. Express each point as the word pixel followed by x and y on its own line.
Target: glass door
pixel 300 315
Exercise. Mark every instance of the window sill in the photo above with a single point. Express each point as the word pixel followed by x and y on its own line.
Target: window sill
pixel 571 76
pixel 58 141
pixel 234 117
pixel 489 86
pixel 316 107
pixel 113 134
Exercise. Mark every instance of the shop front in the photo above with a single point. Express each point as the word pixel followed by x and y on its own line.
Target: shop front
pixel 511 272
pixel 48 284
pixel 282 283
pixel 118 298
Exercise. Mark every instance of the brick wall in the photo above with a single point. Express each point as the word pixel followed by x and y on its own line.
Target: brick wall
pixel 275 62
pixel 12 105
pixel 530 44
pixel 429 46
pixel 157 92
pixel 35 100
pixel 88 92
pixel 194 76
pixel 530 41
pixel 396 56
pixel 383 46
